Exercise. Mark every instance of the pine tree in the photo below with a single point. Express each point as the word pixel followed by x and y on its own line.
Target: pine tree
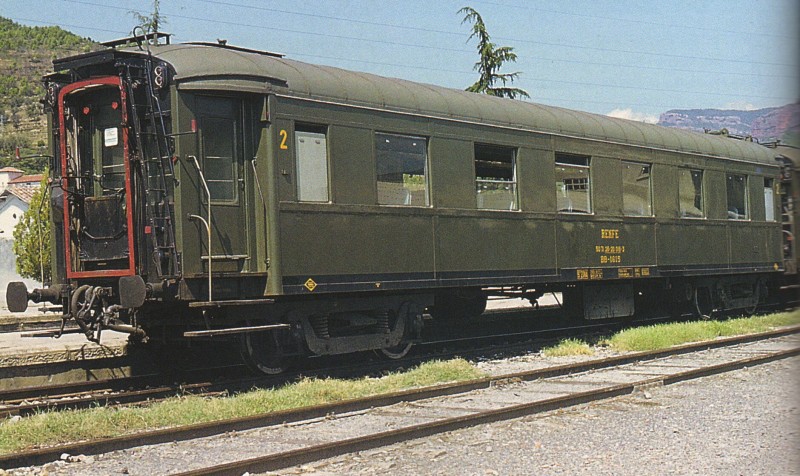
pixel 151 23
pixel 492 59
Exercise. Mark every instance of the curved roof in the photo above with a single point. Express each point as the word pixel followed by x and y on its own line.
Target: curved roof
pixel 230 67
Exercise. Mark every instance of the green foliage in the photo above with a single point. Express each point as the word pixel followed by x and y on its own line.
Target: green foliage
pixel 25 55
pixel 32 159
pixel 152 22
pixel 15 37
pixel 61 427
pixel 10 142
pixel 23 50
pixel 661 336
pixel 32 237
pixel 492 59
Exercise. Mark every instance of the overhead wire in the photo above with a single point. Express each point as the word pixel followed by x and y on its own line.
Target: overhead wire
pixel 393 43
pixel 372 40
pixel 636 21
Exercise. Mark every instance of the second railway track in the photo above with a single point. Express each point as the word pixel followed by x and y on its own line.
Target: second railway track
pixel 569 385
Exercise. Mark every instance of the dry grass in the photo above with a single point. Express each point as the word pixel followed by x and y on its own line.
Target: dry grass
pixel 51 428
pixel 568 347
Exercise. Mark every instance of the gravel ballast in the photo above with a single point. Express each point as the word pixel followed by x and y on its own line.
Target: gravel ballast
pixel 711 426
pixel 743 422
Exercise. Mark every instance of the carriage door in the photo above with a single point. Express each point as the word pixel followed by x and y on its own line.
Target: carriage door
pixel 98 219
pixel 221 148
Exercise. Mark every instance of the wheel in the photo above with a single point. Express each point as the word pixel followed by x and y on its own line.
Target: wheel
pixel 759 293
pixel 262 352
pixel 397 352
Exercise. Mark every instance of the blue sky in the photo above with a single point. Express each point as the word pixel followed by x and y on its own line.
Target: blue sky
pixel 635 58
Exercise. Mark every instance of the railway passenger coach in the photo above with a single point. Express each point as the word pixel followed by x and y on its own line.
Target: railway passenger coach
pixel 207 191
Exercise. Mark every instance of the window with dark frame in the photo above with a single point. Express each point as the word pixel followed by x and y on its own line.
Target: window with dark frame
pixel 690 193
pixel 736 187
pixel 496 177
pixel 219 155
pixel 637 193
pixel 401 170
pixel 573 183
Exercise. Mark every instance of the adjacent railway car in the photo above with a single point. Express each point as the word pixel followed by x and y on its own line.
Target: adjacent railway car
pixel 789 157
pixel 207 191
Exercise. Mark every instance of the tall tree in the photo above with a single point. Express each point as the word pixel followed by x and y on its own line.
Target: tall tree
pixel 32 237
pixel 152 22
pixel 492 58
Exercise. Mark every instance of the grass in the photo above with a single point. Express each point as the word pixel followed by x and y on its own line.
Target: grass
pixel 568 347
pixel 51 428
pixel 661 336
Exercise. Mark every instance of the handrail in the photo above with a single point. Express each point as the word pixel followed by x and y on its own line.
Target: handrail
pixel 208 222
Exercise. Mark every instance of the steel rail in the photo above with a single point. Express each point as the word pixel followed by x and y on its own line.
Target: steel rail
pixel 44 455
pixel 153 387
pixel 337 448
pixel 112 396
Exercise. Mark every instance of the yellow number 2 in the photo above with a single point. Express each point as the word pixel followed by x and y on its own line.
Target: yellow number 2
pixel 283 135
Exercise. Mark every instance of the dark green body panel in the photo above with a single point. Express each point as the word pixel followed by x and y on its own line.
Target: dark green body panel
pixel 353 244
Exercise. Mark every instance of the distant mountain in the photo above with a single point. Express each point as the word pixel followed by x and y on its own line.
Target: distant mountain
pixel 26 53
pixel 761 124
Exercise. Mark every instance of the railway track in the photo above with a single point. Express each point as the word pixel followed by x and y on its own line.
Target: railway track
pixel 153 387
pixel 530 392
pixel 518 334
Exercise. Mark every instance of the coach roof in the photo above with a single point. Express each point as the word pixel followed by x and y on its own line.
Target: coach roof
pixel 206 66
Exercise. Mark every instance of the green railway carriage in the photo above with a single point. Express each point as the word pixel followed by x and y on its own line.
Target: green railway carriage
pixel 340 205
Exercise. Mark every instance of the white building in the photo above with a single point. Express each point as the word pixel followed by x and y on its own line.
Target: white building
pixel 7 174
pixel 12 206
pixel 15 199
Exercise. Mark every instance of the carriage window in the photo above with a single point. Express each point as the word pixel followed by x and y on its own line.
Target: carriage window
pixel 637 193
pixel 312 163
pixel 769 199
pixel 112 172
pixel 495 177
pixel 219 153
pixel 402 170
pixel 737 197
pixel 573 184
pixel 690 191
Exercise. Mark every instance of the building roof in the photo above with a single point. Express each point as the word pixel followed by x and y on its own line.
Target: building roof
pixel 26 179
pixel 204 66
pixel 11 169
pixel 23 193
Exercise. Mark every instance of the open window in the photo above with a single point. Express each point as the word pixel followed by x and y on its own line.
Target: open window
pixel 637 192
pixel 690 192
pixel 312 163
pixel 736 186
pixel 496 177
pixel 573 184
pixel 402 170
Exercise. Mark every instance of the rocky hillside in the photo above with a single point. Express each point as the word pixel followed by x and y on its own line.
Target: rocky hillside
pixel 26 53
pixel 762 124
